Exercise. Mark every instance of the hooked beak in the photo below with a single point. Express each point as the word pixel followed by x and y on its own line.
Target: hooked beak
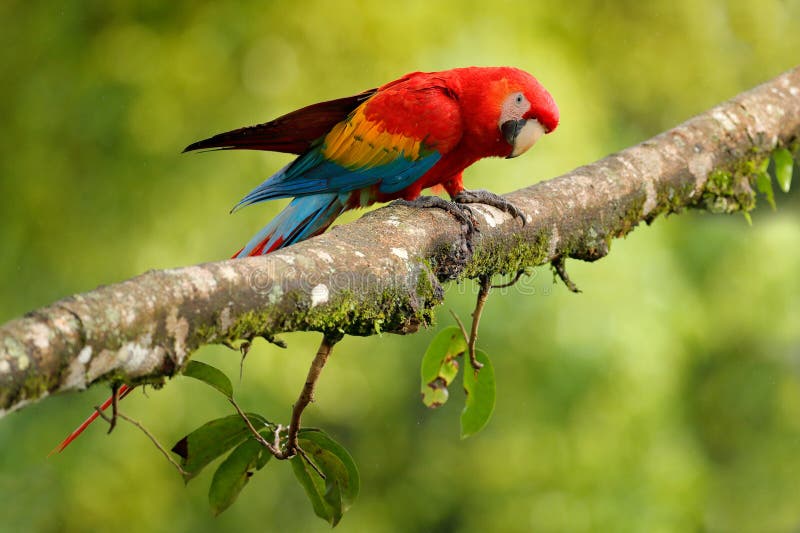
pixel 521 134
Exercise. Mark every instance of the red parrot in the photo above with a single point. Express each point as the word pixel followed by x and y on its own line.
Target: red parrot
pixel 385 144
pixel 418 131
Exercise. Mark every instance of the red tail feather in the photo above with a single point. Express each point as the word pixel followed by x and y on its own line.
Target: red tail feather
pixel 121 393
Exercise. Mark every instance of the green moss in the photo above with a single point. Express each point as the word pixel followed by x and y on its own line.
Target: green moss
pixel 118 376
pixel 508 257
pixel 674 199
pixel 631 217
pixel 730 189
pixel 346 313
pixel 36 384
pixel 206 334
pixel 428 288
pixel 392 310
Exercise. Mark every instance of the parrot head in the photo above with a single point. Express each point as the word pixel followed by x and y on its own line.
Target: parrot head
pixel 509 110
pixel 526 115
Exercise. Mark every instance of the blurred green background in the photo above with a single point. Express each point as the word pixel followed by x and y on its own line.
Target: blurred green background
pixel 666 397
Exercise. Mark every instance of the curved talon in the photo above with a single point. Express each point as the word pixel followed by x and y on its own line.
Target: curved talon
pixel 463 213
pixel 482 196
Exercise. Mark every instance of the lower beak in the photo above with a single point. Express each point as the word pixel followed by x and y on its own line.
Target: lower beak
pixel 521 134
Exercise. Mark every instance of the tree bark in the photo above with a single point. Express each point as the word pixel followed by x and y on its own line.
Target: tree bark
pixel 382 272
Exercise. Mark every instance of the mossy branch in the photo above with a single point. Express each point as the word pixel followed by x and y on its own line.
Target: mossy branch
pixel 382 272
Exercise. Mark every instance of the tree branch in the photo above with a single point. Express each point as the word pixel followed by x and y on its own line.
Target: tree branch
pixel 382 272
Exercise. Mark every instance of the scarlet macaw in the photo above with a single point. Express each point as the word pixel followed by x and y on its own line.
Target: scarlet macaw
pixel 384 144
pixel 418 131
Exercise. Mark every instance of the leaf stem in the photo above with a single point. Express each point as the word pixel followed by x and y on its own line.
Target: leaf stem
pixel 264 442
pixel 483 294
pixel 307 394
pixel 308 460
pixel 461 327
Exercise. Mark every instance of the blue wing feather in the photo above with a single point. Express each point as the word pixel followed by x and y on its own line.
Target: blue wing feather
pixel 311 174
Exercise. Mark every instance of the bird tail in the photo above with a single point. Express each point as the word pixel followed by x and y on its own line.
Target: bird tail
pixel 123 391
pixel 303 218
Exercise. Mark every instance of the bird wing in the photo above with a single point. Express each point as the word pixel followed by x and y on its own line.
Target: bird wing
pixel 292 133
pixel 389 141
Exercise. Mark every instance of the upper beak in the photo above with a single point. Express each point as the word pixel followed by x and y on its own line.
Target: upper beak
pixel 511 129
pixel 521 134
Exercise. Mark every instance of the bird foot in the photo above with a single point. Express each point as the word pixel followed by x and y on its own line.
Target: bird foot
pixel 482 196
pixel 460 212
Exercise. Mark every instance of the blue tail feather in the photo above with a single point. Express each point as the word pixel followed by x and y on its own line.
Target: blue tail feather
pixel 303 218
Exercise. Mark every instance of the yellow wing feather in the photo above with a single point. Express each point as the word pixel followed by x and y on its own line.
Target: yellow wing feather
pixel 360 143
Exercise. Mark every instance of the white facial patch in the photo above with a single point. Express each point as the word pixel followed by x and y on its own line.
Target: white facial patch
pixel 527 137
pixel 514 106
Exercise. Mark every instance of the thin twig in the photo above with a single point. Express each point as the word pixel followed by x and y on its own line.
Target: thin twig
pixel 244 349
pixel 486 285
pixel 273 449
pixel 144 430
pixel 114 407
pixel 155 441
pixel 277 443
pixel 272 339
pixel 101 414
pixel 561 269
pixel 520 272
pixel 461 326
pixel 307 394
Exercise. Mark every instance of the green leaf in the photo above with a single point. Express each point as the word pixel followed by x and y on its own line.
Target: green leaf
pixel 211 440
pixel 480 389
pixel 314 486
pixel 783 167
pixel 209 375
pixel 764 184
pixel 440 366
pixel 332 496
pixel 234 473
pixel 319 446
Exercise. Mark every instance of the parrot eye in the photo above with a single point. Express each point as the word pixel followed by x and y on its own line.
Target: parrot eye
pixel 515 106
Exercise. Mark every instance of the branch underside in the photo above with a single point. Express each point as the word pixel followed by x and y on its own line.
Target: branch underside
pixel 383 272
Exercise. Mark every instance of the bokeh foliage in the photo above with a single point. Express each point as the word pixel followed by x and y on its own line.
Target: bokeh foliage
pixel 666 397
